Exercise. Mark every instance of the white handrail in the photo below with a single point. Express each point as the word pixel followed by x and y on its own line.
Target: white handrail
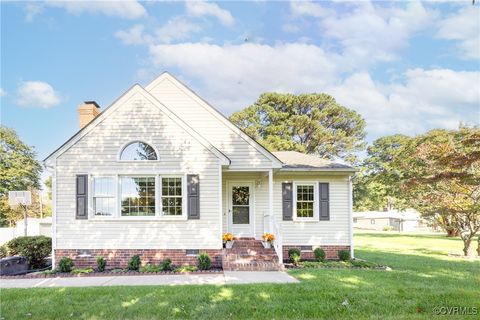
pixel 271 226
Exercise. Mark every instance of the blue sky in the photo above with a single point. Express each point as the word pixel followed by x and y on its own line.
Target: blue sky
pixel 404 66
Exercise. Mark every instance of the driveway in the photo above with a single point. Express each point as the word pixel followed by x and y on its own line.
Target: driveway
pixel 227 277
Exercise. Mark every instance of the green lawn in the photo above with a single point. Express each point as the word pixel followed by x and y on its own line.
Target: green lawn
pixel 423 277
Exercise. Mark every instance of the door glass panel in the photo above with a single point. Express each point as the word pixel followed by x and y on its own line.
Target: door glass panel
pixel 241 205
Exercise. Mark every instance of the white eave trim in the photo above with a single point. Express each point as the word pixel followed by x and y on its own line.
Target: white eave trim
pixel 276 163
pixel 224 160
pixel 339 170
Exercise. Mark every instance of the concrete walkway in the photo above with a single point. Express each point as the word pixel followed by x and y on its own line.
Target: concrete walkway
pixel 227 277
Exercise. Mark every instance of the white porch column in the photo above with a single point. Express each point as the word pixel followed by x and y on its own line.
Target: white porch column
pixel 270 199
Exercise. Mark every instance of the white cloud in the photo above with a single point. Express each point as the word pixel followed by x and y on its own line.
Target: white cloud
pixel 422 100
pixel 234 75
pixel 37 94
pixel 307 8
pixel 229 78
pixel 201 8
pixel 177 28
pixel 365 32
pixel 3 93
pixel 134 36
pixel 463 27
pixel 128 9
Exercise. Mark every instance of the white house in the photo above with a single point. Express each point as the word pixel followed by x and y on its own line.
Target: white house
pixel 407 221
pixel 161 173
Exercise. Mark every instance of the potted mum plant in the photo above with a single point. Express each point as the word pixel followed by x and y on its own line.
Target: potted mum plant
pixel 268 239
pixel 228 240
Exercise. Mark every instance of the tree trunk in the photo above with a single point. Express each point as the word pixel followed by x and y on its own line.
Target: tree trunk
pixel 467 241
pixel 478 247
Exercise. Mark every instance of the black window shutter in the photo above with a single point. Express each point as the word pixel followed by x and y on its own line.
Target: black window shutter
pixel 287 201
pixel 193 196
pixel 324 201
pixel 82 196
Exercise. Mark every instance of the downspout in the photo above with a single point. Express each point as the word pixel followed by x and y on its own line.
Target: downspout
pixel 53 170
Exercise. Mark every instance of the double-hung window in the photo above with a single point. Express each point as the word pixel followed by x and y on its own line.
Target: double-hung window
pixel 104 196
pixel 305 195
pixel 172 191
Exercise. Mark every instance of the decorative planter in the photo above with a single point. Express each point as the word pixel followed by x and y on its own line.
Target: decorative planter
pixel 266 244
pixel 229 244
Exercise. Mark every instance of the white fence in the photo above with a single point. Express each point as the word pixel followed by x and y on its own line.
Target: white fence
pixel 35 227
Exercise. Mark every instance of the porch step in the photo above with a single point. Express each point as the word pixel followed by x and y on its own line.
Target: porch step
pixel 250 255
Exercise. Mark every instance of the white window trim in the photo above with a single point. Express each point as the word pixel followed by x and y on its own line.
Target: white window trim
pixel 159 216
pixel 315 217
pixel 119 154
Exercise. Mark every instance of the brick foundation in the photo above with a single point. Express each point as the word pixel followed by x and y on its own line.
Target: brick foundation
pixel 331 252
pixel 118 258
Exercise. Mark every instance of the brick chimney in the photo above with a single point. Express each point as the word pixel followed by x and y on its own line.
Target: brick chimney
pixel 87 112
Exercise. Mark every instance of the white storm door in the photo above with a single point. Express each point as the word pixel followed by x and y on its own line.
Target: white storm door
pixel 240 210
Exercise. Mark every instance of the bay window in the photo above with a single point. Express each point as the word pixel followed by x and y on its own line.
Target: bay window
pixel 124 196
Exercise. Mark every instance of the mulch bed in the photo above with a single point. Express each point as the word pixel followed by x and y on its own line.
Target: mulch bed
pixel 292 266
pixel 108 274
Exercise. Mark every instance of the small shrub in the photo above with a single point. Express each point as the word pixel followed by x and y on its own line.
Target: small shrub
pixel 134 262
pixel 35 249
pixel 101 264
pixel 388 228
pixel 150 268
pixel 294 255
pixel 203 261
pixel 166 265
pixel 65 265
pixel 344 255
pixel 82 270
pixel 319 254
pixel 183 269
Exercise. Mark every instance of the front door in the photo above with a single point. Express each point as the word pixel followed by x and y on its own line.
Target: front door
pixel 240 212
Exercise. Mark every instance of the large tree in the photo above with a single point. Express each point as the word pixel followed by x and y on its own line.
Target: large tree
pixel 377 186
pixel 19 170
pixel 441 177
pixel 311 123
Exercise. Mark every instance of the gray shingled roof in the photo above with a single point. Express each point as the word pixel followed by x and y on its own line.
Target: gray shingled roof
pixel 297 160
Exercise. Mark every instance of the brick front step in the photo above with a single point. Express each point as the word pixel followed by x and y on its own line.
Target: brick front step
pixel 250 255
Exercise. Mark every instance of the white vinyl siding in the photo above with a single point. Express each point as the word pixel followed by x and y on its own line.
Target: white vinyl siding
pixel 96 154
pixel 204 121
pixel 314 232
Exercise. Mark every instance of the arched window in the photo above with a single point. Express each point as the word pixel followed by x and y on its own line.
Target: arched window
pixel 138 151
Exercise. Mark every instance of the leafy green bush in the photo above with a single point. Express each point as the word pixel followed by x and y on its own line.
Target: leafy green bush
pixel 294 255
pixel 183 269
pixel 82 270
pixel 344 255
pixel 101 264
pixel 319 254
pixel 134 262
pixel 35 249
pixel 388 228
pixel 3 251
pixel 65 265
pixel 166 265
pixel 150 268
pixel 203 261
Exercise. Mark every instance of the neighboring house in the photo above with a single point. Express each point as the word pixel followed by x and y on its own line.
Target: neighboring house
pixel 408 220
pixel 161 173
pixel 35 227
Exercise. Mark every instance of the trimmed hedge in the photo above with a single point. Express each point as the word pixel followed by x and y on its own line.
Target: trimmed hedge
pixel 34 248
pixel 319 254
